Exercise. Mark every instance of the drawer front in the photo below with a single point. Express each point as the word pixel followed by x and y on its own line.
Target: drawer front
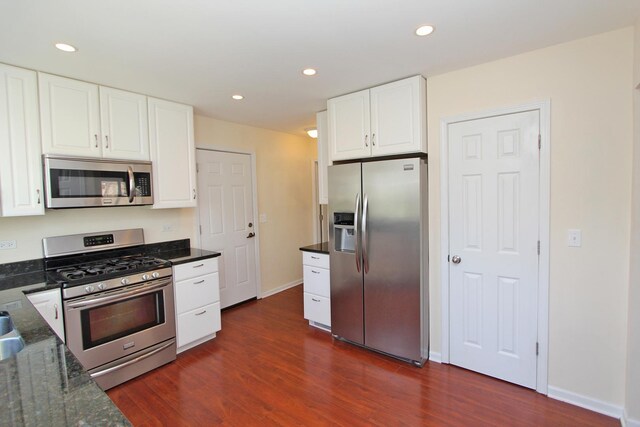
pixel 315 259
pixel 198 323
pixel 194 269
pixel 317 308
pixel 316 280
pixel 197 291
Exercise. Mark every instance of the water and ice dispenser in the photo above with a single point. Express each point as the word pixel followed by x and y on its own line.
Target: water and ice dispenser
pixel 344 232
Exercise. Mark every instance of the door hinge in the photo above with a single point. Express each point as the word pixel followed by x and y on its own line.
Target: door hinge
pixel 539 142
pixel 197 167
pixel 200 229
pixel 537 349
pixel 538 247
pixel 448 258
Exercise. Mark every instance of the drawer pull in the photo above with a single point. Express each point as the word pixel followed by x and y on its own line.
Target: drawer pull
pixel 201 313
pixel 315 272
pixel 199 265
pixel 314 257
pixel 316 300
pixel 198 282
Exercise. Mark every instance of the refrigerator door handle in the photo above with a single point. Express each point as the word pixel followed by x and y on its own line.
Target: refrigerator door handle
pixel 365 241
pixel 356 228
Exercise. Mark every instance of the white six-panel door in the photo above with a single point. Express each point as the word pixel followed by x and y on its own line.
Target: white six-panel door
pixel 493 229
pixel 226 217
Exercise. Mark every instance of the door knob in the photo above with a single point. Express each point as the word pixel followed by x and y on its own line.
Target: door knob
pixel 456 259
pixel 251 235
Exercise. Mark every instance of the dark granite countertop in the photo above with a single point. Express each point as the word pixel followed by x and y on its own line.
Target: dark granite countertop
pixel 44 384
pixel 183 256
pixel 321 248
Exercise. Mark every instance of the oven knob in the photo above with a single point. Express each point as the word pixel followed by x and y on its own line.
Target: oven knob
pixel 89 288
pixel 155 275
pixel 102 286
pixel 124 281
pixel 145 277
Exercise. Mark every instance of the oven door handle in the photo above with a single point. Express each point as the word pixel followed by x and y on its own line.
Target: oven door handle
pixel 119 296
pixel 132 361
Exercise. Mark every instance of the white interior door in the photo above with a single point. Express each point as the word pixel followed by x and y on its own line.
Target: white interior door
pixel 493 235
pixel 226 220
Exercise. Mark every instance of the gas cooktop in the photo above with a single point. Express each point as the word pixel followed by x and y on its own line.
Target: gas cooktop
pixel 102 269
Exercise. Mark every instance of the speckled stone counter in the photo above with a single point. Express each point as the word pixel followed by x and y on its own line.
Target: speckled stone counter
pixel 320 248
pixel 44 384
pixel 179 252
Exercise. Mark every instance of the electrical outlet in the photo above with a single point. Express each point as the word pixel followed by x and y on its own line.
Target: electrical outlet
pixel 8 244
pixel 263 217
pixel 167 227
pixel 12 305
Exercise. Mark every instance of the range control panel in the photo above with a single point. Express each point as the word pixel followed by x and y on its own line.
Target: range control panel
pixel 105 239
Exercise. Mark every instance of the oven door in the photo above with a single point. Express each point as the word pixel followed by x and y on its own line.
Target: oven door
pixel 106 326
pixel 76 182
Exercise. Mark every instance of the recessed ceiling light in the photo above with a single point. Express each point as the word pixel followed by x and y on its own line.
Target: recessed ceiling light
pixel 425 30
pixel 66 47
pixel 313 132
pixel 237 97
pixel 309 72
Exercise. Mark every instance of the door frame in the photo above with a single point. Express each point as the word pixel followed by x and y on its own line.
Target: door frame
pixel 544 107
pixel 254 189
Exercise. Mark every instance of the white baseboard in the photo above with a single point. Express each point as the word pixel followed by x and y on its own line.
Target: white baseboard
pixel 628 422
pixel 586 402
pixel 281 288
pixel 435 357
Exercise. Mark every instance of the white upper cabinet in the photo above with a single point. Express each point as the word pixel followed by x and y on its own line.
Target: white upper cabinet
pixel 124 124
pixel 323 157
pixel 87 120
pixel 69 116
pixel 349 126
pixel 20 158
pixel 172 154
pixel 385 120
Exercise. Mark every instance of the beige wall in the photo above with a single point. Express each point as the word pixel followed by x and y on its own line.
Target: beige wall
pixel 632 401
pixel 284 174
pixel 284 165
pixel 588 82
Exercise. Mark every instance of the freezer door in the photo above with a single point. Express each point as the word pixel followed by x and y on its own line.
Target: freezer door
pixel 344 253
pixel 392 256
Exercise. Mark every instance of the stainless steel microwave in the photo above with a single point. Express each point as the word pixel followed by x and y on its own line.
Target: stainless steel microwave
pixel 74 182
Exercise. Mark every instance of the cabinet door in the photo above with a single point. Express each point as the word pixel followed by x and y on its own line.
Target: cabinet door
pixel 323 157
pixel 399 117
pixel 20 161
pixel 69 116
pixel 124 124
pixel 49 305
pixel 349 126
pixel 172 153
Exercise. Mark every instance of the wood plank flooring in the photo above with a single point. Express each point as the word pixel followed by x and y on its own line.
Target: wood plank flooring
pixel 269 367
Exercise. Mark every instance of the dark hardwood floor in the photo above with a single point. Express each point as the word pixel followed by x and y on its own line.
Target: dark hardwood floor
pixel 269 367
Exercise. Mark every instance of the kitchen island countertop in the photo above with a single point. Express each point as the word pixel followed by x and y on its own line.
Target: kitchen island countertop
pixel 321 248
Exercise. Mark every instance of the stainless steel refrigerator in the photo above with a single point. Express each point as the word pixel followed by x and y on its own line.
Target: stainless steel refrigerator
pixel 378 255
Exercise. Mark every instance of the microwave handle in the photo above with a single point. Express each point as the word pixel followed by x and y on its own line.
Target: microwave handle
pixel 132 184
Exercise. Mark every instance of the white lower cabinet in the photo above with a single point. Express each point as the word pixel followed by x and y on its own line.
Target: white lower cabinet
pixel 317 296
pixel 49 305
pixel 197 288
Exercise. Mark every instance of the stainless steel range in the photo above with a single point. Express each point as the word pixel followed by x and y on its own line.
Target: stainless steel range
pixel 118 303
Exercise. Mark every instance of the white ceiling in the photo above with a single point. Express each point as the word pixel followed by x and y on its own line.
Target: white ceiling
pixel 200 52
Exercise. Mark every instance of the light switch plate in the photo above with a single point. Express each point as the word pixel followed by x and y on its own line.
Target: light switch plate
pixel 574 238
pixel 8 244
pixel 263 217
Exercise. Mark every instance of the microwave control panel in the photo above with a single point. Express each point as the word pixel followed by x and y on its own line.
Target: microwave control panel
pixel 143 184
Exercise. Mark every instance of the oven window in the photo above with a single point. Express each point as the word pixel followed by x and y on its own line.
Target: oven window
pixel 112 321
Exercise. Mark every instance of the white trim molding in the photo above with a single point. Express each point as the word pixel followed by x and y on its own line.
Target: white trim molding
pixel 628 422
pixel 586 402
pixel 544 107
pixel 435 357
pixel 281 288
